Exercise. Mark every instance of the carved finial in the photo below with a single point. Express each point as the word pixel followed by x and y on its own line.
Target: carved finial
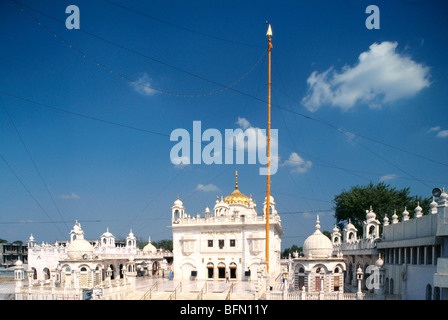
pixel 236 179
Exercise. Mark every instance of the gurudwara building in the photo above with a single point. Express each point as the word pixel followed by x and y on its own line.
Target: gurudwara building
pixel 102 268
pixel 227 242
pixel 403 259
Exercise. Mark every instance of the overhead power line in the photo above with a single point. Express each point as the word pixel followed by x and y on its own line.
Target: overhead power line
pixel 30 193
pixel 181 27
pixel 32 160
pixel 224 87
pixel 127 78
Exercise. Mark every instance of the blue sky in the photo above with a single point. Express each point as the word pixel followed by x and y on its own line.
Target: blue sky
pixel 81 139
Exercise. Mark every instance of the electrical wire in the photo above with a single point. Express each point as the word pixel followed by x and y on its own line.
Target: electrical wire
pixel 127 78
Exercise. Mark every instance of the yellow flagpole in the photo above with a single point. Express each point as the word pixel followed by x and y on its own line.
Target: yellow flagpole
pixel 268 191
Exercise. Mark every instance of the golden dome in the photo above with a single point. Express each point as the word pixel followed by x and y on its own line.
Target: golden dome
pixel 236 197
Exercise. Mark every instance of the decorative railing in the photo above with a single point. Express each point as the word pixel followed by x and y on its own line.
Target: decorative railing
pixel 230 291
pixel 173 296
pixel 155 286
pixel 203 290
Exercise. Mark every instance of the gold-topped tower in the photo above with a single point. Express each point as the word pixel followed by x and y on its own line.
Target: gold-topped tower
pixel 236 197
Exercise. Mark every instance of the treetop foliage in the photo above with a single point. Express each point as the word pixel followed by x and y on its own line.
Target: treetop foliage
pixel 383 199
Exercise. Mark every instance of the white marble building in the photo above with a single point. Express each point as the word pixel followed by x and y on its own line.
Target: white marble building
pixel 226 242
pixel 411 255
pixel 65 270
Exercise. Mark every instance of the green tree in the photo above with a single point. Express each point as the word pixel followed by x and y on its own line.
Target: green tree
pixel 166 244
pixel 291 251
pixel 383 199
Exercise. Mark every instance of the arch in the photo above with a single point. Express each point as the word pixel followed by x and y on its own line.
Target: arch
pixel 46 274
pixel 155 267
pixel 233 268
pixel 186 269
pixel 111 266
pixel 210 270
pixel 436 293
pixel 318 268
pixel 34 273
pixel 428 292
pixel 371 231
pixel 387 286
pixel 221 270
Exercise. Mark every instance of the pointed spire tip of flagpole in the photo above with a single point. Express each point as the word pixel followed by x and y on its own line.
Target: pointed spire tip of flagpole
pixel 269 32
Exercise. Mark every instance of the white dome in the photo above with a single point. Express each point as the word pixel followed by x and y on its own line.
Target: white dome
pixel 107 234
pixel 178 203
pixel 149 248
pixel 78 248
pixel 317 245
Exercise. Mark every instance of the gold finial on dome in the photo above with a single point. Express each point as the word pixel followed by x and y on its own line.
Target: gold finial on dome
pixel 236 179
pixel 236 197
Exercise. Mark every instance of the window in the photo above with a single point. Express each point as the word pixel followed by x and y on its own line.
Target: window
pixel 221 244
pixel 336 283
pixel 421 255
pixel 408 255
pixel 428 255
pixel 232 242
pixel 317 281
pixel 210 243
pixel 414 255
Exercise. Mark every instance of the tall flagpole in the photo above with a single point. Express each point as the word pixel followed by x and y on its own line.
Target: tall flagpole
pixel 268 191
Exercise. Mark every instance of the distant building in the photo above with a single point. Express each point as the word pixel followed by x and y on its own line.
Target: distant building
pixel 102 267
pixel 12 252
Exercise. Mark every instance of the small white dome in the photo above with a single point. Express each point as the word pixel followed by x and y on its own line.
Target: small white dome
pixel 317 245
pixel 178 203
pixel 433 204
pixel 379 263
pixel 149 248
pixel 370 215
pixel 107 234
pixel 443 196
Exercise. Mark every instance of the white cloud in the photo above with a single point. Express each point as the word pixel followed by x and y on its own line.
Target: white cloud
pixel 180 162
pixel 388 177
pixel 297 163
pixel 143 85
pixel 243 123
pixel 253 134
pixel 434 129
pixel 207 188
pixel 380 76
pixel 440 133
pixel 71 196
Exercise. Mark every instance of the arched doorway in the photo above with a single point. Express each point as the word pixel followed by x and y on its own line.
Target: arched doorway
pixel 210 270
pixel 113 272
pixel 155 267
pixel 46 273
pixel 232 268
pixel 221 270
